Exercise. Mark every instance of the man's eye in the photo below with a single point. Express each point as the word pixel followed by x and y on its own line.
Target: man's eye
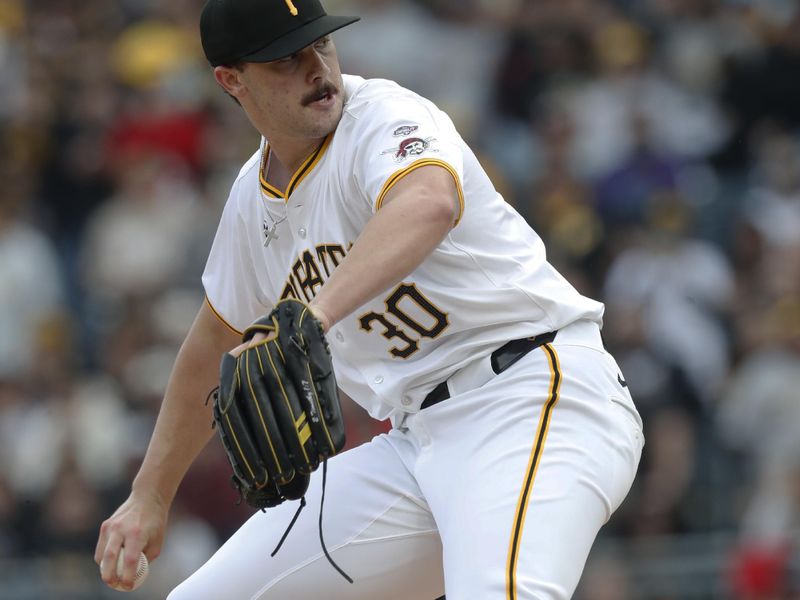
pixel 323 42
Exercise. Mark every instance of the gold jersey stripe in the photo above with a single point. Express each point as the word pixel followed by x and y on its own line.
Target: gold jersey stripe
pixel 530 472
pixel 398 175
pixel 309 164
pixel 266 187
pixel 270 190
pixel 301 173
pixel 219 316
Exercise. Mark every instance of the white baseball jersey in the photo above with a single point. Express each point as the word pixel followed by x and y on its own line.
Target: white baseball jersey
pixel 497 491
pixel 487 283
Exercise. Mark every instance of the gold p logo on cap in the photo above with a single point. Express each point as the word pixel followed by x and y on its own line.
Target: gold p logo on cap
pixel 292 8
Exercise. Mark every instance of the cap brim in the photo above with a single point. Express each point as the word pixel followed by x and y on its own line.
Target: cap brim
pixel 300 38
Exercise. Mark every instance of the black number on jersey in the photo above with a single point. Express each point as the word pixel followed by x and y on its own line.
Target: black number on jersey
pixel 418 318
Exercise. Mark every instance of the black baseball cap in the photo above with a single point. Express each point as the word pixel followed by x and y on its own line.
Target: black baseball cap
pixel 263 30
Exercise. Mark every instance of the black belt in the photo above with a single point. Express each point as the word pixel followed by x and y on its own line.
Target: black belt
pixel 502 358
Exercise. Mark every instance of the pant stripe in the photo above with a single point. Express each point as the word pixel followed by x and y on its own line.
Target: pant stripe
pixel 530 473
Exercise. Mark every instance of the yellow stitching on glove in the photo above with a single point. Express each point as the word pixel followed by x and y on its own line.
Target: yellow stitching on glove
pixel 233 434
pixel 280 352
pixel 271 331
pixel 286 399
pixel 258 408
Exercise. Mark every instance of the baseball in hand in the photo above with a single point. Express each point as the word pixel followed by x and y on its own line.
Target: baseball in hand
pixel 141 570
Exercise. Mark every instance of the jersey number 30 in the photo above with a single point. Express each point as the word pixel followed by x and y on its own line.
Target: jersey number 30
pixel 407 305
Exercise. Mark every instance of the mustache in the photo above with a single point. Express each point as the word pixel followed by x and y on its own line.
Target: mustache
pixel 325 89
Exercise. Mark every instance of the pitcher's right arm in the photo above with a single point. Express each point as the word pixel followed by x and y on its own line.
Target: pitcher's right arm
pixel 182 430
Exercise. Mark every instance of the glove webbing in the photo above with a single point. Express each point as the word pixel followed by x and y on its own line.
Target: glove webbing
pixel 321 538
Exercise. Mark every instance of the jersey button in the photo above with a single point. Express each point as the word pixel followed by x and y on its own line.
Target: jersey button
pixel 302 232
pixel 339 336
pixel 378 380
pixel 406 401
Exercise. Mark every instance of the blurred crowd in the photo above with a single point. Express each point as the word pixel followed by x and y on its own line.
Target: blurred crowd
pixel 653 144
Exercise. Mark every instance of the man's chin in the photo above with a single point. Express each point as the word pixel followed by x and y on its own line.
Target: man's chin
pixel 327 121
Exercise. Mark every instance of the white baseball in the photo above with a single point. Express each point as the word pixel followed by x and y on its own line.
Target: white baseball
pixel 141 570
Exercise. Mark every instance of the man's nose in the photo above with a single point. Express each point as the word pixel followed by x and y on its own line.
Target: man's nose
pixel 317 65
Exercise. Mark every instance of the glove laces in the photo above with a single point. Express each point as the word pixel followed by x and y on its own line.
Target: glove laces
pixel 321 537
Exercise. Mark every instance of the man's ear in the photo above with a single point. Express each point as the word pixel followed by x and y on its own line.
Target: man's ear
pixel 229 78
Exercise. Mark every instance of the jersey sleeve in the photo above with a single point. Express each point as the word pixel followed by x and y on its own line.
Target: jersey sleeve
pixel 400 135
pixel 230 279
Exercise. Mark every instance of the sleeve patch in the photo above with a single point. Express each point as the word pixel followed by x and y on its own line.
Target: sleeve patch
pixel 405 130
pixel 410 148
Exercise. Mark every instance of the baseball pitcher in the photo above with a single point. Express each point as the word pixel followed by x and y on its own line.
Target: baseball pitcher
pixel 363 248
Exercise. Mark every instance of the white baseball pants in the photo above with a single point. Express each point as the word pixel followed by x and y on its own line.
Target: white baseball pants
pixel 495 493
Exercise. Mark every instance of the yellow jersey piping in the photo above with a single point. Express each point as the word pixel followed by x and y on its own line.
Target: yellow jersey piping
pixel 219 316
pixel 398 175
pixel 530 472
pixel 301 173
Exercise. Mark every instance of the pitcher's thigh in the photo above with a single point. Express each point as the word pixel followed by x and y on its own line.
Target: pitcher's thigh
pixel 535 473
pixel 533 544
pixel 376 527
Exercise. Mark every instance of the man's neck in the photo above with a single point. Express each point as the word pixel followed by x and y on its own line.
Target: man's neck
pixel 292 155
pixel 285 159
